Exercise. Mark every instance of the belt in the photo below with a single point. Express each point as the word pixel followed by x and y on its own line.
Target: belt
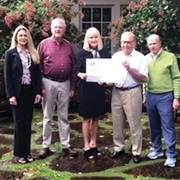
pixel 126 88
pixel 159 93
pixel 57 80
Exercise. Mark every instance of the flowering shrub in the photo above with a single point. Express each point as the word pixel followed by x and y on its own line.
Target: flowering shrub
pixel 36 15
pixel 147 17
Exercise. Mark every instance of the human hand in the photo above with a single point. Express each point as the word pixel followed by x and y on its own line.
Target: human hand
pixel 126 65
pixel 110 83
pixel 100 83
pixel 71 93
pixel 176 104
pixel 37 98
pixel 82 75
pixel 12 101
pixel 44 93
pixel 144 101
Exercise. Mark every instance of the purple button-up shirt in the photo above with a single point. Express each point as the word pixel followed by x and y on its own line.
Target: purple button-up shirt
pixel 57 60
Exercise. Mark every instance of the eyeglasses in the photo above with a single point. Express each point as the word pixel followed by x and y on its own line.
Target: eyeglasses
pixel 127 42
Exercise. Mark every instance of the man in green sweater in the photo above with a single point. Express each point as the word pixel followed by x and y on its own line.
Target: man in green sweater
pixel 162 98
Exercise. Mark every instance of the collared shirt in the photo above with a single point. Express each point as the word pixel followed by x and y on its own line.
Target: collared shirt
pixel 155 56
pixel 26 63
pixel 136 61
pixel 95 53
pixel 164 75
pixel 57 60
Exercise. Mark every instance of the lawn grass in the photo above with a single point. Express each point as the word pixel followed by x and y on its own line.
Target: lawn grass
pixel 40 168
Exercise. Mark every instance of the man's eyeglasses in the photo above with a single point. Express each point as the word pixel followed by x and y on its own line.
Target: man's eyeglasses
pixel 127 42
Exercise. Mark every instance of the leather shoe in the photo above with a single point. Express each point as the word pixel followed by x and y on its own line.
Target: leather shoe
pixel 88 154
pixel 136 159
pixel 116 154
pixel 45 152
pixel 70 151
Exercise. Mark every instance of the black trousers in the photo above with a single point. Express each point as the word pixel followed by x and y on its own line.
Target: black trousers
pixel 22 115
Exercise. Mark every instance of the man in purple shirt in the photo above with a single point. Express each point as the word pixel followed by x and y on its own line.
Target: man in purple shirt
pixel 57 67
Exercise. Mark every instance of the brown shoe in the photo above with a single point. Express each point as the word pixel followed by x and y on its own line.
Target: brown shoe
pixel 45 152
pixel 70 151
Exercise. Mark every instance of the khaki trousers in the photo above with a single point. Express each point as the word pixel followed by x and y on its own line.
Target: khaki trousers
pixel 127 105
pixel 57 96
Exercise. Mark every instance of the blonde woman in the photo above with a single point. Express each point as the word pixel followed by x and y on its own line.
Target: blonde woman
pixel 23 89
pixel 91 94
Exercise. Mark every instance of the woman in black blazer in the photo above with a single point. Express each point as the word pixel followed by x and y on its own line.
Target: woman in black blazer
pixel 23 88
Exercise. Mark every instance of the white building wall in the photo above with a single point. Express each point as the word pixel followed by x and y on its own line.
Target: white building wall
pixel 116 5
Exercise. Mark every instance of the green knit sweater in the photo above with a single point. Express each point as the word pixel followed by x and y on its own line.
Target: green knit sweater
pixel 164 75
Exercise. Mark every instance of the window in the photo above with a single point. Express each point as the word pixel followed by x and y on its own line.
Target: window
pixel 98 17
pixel 123 10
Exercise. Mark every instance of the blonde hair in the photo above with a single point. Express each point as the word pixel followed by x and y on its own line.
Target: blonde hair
pixel 89 32
pixel 30 45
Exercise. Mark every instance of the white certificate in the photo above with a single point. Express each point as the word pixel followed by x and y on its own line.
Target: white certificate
pixel 105 70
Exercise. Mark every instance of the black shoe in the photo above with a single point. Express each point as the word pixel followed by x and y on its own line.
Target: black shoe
pixel 22 160
pixel 88 154
pixel 95 151
pixel 29 158
pixel 136 159
pixel 116 154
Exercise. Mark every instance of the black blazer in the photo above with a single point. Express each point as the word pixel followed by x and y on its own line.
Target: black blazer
pixel 13 71
pixel 83 55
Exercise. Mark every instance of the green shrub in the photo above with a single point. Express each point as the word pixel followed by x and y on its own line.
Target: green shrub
pixel 148 17
pixel 36 16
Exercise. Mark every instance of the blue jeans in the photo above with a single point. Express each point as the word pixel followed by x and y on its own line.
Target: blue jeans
pixel 161 119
